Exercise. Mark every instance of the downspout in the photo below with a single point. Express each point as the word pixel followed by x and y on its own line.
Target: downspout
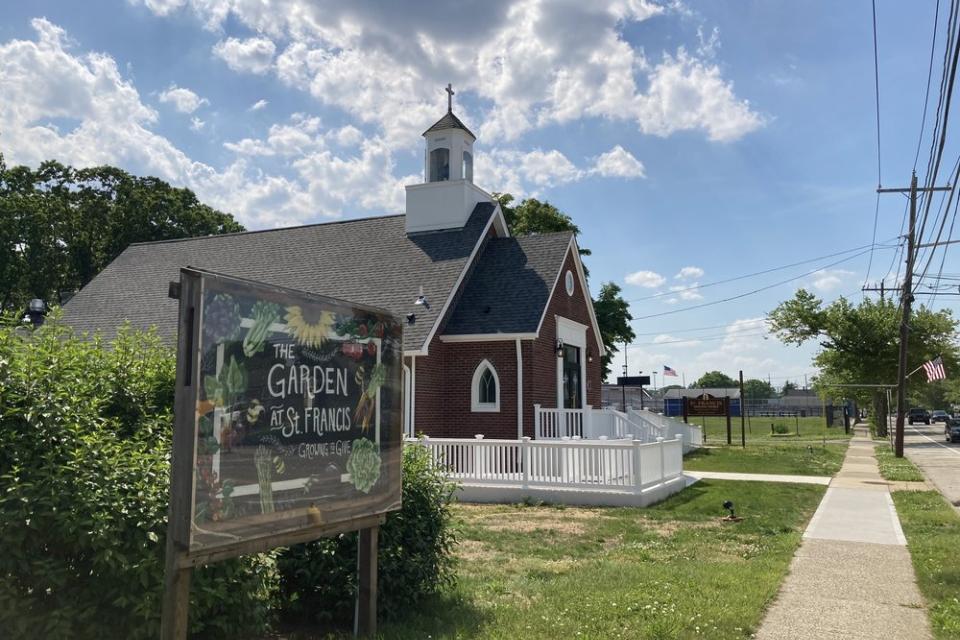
pixel 519 391
pixel 413 395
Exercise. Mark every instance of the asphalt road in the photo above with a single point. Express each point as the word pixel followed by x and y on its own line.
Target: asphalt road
pixel 926 447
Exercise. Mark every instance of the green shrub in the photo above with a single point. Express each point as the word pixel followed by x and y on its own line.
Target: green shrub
pixel 319 578
pixel 85 435
pixel 780 429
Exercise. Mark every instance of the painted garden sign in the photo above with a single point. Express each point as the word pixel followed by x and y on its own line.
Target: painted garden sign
pixel 288 418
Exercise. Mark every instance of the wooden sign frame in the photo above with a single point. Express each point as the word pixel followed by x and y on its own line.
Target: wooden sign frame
pixel 296 527
pixel 706 406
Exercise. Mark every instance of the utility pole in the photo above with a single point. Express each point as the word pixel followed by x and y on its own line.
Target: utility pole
pixel 907 298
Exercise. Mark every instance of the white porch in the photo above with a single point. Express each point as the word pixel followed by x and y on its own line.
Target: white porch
pixel 568 471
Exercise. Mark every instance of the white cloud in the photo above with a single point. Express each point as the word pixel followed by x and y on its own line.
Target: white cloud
pixel 532 63
pixel 827 280
pixel 196 124
pixel 114 127
pixel 253 54
pixel 619 163
pixel 258 105
pixel 648 279
pixel 689 273
pixel 183 100
pixel 687 291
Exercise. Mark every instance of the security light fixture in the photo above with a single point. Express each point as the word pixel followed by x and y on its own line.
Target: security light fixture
pixel 559 348
pixel 36 310
pixel 728 505
pixel 589 354
pixel 411 318
pixel 422 299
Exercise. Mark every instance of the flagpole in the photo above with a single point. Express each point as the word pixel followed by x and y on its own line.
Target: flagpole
pixel 914 371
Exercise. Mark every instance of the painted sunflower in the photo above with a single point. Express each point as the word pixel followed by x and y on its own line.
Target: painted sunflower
pixel 310 327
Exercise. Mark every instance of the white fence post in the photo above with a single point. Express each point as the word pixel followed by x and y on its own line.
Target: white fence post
pixel 663 465
pixel 637 481
pixel 525 460
pixel 587 430
pixel 536 421
pixel 479 465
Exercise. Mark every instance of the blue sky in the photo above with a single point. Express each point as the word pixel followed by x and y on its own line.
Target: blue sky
pixel 723 137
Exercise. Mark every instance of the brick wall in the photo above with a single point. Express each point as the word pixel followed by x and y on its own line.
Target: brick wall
pixel 444 378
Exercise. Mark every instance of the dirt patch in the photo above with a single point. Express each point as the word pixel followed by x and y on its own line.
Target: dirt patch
pixel 572 522
pixel 667 528
pixel 474 551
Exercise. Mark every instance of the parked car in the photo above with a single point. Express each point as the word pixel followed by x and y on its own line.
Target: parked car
pixel 939 415
pixel 952 430
pixel 918 415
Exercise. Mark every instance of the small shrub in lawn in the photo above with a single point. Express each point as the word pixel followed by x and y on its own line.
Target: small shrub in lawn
pixel 85 436
pixel 781 429
pixel 320 578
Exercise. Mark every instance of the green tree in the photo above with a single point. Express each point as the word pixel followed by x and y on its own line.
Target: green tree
pixel 715 380
pixel 755 388
pixel 613 318
pixel 60 226
pixel 788 386
pixel 859 343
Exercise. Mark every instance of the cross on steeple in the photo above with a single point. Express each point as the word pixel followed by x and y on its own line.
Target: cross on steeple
pixel 450 92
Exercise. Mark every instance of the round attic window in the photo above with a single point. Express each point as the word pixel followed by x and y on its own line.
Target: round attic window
pixel 568 281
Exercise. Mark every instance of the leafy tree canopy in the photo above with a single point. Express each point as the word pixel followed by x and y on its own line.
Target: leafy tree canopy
pixel 60 226
pixel 859 344
pixel 755 388
pixel 715 380
pixel 788 386
pixel 613 317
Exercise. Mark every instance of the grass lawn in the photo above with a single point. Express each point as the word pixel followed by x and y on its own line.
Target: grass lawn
pixel 932 529
pixel 758 430
pixel 893 468
pixel 810 459
pixel 670 571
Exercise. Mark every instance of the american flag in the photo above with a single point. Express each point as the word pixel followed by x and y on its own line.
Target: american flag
pixel 667 371
pixel 934 369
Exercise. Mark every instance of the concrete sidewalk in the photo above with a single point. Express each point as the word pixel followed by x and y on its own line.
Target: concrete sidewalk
pixel 757 477
pixel 851 577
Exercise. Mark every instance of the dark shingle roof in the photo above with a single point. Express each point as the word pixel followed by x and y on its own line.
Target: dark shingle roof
pixel 449 121
pixel 510 285
pixel 368 261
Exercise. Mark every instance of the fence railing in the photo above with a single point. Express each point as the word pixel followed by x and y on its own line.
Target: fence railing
pixel 669 428
pixel 603 465
pixel 561 423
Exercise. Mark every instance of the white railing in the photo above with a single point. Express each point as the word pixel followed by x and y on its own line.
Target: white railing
pixel 669 428
pixel 561 423
pixel 601 465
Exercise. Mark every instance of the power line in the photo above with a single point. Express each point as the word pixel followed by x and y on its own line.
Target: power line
pixel 756 273
pixel 926 98
pixel 755 291
pixel 876 86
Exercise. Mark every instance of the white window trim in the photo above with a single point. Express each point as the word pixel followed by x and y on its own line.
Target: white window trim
pixel 575 334
pixel 484 407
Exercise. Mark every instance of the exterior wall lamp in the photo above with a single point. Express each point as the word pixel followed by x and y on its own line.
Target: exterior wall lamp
pixel 559 348
pixel 589 354
pixel 36 310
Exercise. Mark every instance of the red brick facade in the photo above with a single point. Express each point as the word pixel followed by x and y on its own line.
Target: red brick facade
pixel 444 378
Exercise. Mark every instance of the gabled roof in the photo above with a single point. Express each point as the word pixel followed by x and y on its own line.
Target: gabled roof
pixel 369 261
pixel 449 121
pixel 510 285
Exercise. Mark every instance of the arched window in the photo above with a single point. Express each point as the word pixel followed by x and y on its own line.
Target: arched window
pixel 467 166
pixel 439 165
pixel 485 390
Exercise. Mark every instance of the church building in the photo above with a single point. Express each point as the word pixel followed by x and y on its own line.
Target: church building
pixel 493 324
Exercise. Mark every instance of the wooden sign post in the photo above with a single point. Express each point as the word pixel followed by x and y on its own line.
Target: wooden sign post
pixel 287 428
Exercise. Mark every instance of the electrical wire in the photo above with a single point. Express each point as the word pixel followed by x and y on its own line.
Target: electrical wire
pixel 754 291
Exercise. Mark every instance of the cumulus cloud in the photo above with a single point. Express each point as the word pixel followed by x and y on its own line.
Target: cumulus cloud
pixel 689 273
pixel 258 105
pixel 619 163
pixel 647 279
pixel 115 127
pixel 827 280
pixel 183 100
pixel 532 63
pixel 252 54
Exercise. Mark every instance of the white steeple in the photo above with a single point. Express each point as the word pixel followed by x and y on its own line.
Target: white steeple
pixel 447 196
